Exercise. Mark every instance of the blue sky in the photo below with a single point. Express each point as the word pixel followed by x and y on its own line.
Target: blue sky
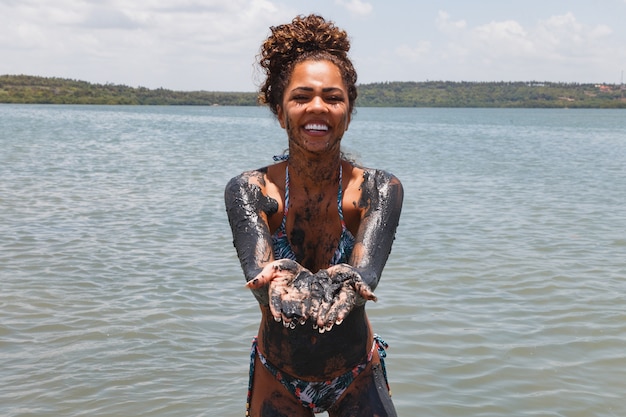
pixel 211 44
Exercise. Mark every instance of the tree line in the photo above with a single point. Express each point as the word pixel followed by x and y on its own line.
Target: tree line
pixel 44 90
pixel 493 94
pixel 50 90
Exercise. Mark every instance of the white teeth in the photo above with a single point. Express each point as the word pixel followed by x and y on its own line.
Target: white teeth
pixel 315 126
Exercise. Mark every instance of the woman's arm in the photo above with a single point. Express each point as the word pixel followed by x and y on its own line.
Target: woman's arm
pixel 248 209
pixel 381 202
pixel 352 284
pixel 283 284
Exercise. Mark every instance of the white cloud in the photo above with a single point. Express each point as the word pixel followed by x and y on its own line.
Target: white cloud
pixel 356 6
pixel 560 46
pixel 558 37
pixel 445 25
pixel 563 36
pixel 211 44
pixel 502 38
pixel 143 42
pixel 414 53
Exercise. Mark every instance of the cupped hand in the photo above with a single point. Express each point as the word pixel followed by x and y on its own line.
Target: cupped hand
pixel 289 290
pixel 334 293
pixel 296 294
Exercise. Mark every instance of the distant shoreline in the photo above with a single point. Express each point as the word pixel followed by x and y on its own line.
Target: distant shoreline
pixel 25 89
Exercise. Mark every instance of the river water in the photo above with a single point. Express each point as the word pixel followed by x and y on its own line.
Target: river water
pixel 121 295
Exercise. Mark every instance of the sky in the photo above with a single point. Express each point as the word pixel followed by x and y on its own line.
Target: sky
pixel 211 45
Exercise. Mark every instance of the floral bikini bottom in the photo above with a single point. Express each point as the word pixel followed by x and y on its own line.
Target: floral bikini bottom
pixel 314 395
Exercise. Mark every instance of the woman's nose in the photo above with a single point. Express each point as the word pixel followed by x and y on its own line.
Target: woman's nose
pixel 317 104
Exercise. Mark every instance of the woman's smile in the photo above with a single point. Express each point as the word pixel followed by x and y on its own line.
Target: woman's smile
pixel 316 128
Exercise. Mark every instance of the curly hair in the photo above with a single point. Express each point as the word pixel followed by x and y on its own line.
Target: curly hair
pixel 305 38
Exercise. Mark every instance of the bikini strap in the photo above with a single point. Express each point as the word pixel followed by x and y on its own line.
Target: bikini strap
pixel 286 208
pixel 340 198
pixel 251 375
pixel 382 354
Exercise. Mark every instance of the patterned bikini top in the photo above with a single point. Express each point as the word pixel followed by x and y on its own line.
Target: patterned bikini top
pixel 280 242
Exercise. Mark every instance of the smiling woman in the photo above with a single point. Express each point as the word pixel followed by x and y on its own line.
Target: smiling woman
pixel 313 233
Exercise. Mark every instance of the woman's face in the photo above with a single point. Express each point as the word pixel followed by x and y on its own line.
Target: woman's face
pixel 315 108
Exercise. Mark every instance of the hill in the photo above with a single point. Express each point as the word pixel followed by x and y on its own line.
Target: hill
pixel 43 90
pixel 492 94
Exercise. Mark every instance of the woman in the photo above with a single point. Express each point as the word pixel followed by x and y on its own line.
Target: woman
pixel 313 233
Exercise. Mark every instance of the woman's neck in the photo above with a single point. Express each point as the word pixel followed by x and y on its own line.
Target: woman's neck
pixel 314 173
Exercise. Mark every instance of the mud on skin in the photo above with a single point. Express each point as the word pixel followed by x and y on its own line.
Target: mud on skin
pixel 275 407
pixel 381 198
pixel 245 205
pixel 374 388
pixel 305 352
pixel 325 297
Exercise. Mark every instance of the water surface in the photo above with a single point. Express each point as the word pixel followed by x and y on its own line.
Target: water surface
pixel 120 292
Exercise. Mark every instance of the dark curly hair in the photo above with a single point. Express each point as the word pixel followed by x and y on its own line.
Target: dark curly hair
pixel 305 38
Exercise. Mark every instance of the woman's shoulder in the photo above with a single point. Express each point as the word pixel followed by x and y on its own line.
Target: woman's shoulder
pixel 251 177
pixel 249 189
pixel 262 177
pixel 247 185
pixel 380 188
pixel 377 177
pixel 255 185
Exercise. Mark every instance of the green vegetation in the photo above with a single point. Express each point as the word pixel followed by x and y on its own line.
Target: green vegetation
pixel 30 89
pixel 40 90
pixel 492 94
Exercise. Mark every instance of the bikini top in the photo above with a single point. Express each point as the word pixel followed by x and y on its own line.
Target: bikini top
pixel 280 242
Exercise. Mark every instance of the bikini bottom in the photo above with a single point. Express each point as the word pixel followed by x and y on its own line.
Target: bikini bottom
pixel 314 395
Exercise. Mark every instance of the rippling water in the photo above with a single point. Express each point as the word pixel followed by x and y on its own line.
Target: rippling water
pixel 120 293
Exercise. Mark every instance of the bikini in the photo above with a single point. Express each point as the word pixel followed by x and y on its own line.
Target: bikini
pixel 317 396
pixel 280 241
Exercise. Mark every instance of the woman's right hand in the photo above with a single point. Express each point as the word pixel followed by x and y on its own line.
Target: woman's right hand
pixel 289 290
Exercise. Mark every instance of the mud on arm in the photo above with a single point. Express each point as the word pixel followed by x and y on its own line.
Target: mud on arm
pixel 381 202
pixel 350 285
pixel 248 210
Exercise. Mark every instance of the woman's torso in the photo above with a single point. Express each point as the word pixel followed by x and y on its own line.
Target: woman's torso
pixel 282 240
pixel 315 224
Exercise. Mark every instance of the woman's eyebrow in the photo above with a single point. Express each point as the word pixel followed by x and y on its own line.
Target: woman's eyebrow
pixel 324 90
